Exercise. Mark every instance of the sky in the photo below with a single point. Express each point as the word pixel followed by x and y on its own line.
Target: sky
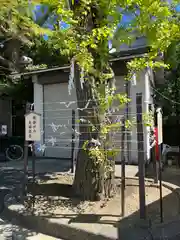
pixel 178 8
pixel 41 10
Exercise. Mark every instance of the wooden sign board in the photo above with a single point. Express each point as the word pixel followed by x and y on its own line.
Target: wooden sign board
pixel 32 127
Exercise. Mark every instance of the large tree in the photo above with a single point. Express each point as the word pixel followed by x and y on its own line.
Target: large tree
pixel 92 23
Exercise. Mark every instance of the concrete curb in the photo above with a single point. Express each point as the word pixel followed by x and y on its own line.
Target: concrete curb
pixel 56 230
pixel 67 232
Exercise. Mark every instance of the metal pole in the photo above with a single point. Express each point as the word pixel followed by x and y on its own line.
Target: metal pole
pixel 33 172
pixel 25 168
pixel 160 185
pixel 156 175
pixel 26 144
pixel 141 158
pixel 122 169
pixel 127 118
pixel 73 143
pixel 158 160
pixel 153 147
pixel 33 162
pixel 155 163
pixel 159 157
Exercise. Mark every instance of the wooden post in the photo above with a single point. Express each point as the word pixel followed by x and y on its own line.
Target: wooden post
pixel 123 176
pixel 160 184
pixel 159 142
pixel 154 155
pixel 26 145
pixel 155 166
pixel 153 145
pixel 128 138
pixel 73 143
pixel 33 172
pixel 32 134
pixel 141 158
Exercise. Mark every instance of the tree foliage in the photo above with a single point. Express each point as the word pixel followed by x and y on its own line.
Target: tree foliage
pixel 153 19
pixel 18 31
pixel 43 52
pixel 21 35
pixel 169 93
pixel 16 20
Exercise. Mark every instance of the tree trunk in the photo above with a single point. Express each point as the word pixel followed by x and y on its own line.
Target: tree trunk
pixel 92 179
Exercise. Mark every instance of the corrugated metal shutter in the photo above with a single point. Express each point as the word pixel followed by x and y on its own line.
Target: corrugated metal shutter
pixel 58 120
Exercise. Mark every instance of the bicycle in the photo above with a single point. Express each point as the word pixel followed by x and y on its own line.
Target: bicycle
pixel 14 153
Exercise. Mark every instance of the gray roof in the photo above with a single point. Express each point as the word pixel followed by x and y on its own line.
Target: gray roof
pixel 117 56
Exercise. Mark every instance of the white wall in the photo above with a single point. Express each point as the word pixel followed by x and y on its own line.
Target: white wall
pixel 38 108
pixel 142 86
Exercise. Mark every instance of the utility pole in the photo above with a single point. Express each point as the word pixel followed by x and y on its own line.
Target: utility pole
pixel 26 144
pixel 73 142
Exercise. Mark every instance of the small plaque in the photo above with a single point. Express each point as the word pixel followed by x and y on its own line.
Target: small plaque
pixel 32 124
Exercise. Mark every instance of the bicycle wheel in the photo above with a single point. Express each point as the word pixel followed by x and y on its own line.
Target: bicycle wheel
pixel 14 153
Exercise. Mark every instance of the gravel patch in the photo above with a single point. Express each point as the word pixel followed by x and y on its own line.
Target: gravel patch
pixel 109 210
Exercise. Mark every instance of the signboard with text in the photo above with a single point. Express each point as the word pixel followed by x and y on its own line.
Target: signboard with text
pixel 3 130
pixel 32 127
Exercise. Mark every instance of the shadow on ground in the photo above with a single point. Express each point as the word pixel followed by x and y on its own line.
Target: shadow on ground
pixel 41 165
pixel 132 225
pixel 152 213
pixel 169 174
pixel 127 228
pixel 11 176
pixel 10 231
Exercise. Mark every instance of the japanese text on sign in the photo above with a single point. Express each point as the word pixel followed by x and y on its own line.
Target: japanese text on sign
pixel 32 124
